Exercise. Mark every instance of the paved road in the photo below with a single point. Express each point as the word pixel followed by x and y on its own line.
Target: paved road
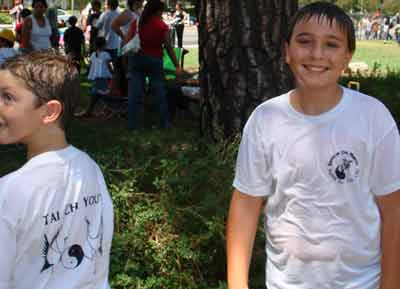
pixel 190 36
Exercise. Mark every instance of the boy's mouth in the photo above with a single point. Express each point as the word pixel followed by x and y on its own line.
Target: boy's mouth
pixel 315 68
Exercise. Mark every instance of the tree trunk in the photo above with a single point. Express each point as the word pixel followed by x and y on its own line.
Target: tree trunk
pixel 241 59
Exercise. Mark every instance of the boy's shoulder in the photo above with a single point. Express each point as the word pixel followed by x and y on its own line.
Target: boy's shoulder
pixel 49 167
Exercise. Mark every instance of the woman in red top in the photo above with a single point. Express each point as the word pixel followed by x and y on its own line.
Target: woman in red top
pixel 153 33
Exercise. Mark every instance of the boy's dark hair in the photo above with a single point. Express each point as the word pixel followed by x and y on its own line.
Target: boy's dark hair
pixel 330 12
pixel 25 12
pixel 72 20
pixel 39 1
pixel 100 42
pixel 113 4
pixel 49 76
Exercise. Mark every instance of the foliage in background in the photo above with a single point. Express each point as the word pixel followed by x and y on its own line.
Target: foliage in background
pixel 5 18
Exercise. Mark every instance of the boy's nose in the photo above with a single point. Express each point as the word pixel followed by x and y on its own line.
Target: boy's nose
pixel 317 51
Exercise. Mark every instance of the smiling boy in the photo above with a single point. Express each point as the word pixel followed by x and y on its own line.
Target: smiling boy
pixel 56 219
pixel 327 162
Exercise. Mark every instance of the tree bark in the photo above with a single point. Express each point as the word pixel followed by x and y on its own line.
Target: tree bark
pixel 241 59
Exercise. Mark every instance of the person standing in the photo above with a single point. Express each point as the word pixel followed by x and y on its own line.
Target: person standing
pixel 104 25
pixel 36 30
pixel 92 18
pixel 179 23
pixel 154 36
pixel 15 13
pixel 322 162
pixel 120 25
pixel 73 42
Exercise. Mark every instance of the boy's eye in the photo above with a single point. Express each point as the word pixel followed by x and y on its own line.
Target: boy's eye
pixel 332 45
pixel 303 41
pixel 5 97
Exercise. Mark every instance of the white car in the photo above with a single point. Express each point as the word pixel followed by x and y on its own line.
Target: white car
pixel 62 16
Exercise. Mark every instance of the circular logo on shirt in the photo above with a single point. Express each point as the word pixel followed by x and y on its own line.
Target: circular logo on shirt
pixel 343 167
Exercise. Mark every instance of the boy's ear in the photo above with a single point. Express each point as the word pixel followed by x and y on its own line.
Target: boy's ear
pixel 52 111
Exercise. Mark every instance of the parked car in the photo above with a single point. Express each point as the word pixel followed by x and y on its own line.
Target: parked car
pixel 62 16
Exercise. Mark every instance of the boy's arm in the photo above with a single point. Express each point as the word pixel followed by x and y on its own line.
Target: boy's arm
pixel 119 21
pixel 389 207
pixel 26 33
pixel 241 230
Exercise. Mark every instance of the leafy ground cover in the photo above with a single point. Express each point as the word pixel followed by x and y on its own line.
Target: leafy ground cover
pixel 171 192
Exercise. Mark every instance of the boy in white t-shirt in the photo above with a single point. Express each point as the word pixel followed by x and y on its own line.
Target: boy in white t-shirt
pixel 325 160
pixel 56 220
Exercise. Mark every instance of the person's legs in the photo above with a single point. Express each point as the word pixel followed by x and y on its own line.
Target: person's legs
pixel 156 74
pixel 179 34
pixel 135 87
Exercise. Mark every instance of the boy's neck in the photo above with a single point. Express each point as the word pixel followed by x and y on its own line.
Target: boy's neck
pixel 50 140
pixel 315 102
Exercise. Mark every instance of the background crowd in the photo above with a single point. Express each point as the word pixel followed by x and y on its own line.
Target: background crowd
pixel 95 39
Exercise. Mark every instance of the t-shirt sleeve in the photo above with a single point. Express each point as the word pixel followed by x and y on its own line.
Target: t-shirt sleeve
pixel 385 168
pixel 253 174
pixel 8 241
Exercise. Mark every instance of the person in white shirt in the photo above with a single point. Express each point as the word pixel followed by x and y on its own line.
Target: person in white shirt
pixel 56 221
pixel 15 13
pixel 99 74
pixel 7 40
pixel 36 29
pixel 120 25
pixel 324 162
pixel 104 27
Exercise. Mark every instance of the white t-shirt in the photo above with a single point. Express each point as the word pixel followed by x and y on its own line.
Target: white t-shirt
pixel 104 25
pixel 320 175
pixel 40 36
pixel 98 65
pixel 56 224
pixel 125 28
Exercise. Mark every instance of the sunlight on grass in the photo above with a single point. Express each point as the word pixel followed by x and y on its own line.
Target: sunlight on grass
pixel 375 51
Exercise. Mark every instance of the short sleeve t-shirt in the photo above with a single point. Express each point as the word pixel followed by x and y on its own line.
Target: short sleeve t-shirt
pixel 98 65
pixel 152 36
pixel 321 175
pixel 56 224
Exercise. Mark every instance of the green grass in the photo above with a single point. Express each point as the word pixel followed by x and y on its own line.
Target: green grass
pixel 375 51
pixel 192 58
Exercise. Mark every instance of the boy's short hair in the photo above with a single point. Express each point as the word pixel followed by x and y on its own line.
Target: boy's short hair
pixel 72 20
pixel 331 12
pixel 49 76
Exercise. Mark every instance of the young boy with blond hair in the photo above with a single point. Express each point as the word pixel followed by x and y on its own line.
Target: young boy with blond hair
pixel 325 160
pixel 56 220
